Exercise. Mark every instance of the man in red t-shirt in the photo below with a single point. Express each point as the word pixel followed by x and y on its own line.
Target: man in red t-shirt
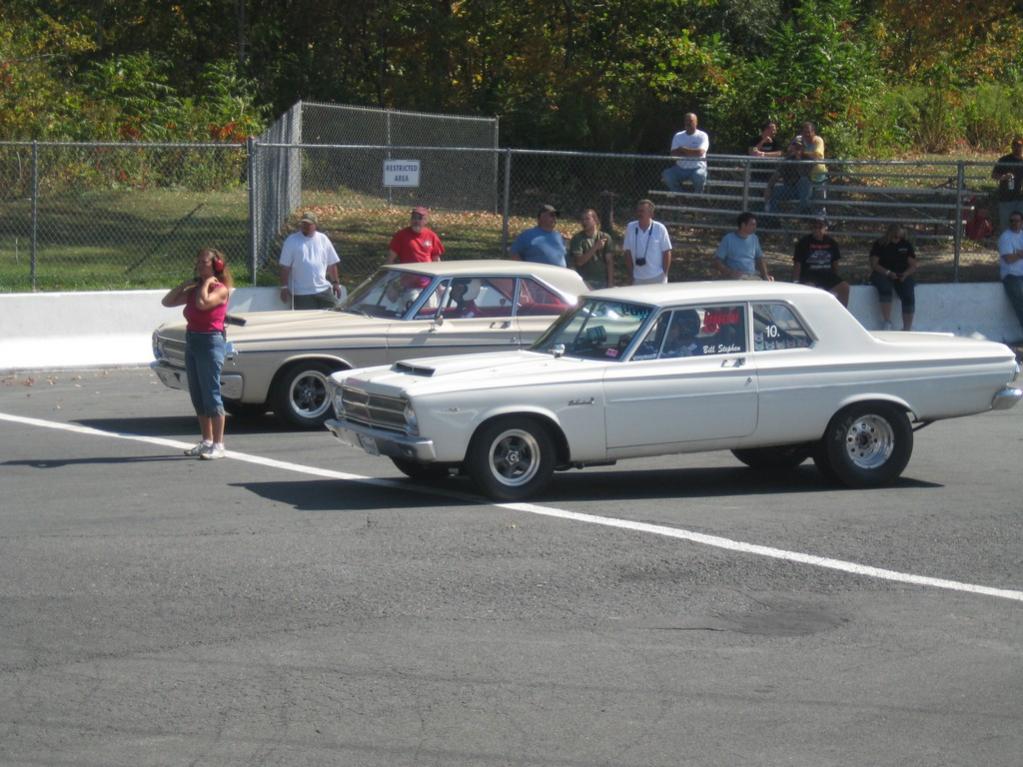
pixel 417 242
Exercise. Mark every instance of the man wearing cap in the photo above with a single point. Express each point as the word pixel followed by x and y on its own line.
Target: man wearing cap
pixel 815 262
pixel 416 243
pixel 541 244
pixel 308 263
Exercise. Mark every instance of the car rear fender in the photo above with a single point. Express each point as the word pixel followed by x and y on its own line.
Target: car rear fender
pixel 878 397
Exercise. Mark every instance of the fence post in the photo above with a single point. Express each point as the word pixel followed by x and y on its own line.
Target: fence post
pixel 507 200
pixel 958 232
pixel 250 161
pixel 497 160
pixel 745 184
pixel 35 213
pixel 388 129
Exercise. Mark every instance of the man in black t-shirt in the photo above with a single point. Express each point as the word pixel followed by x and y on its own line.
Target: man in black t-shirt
pixel 892 263
pixel 815 262
pixel 1008 172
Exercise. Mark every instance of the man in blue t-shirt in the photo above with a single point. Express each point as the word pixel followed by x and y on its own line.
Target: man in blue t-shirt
pixel 541 244
pixel 739 256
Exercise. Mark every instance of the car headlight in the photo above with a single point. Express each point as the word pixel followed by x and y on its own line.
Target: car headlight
pixel 411 422
pixel 339 400
pixel 157 350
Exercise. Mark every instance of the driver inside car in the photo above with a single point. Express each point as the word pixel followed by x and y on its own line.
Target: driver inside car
pixel 681 340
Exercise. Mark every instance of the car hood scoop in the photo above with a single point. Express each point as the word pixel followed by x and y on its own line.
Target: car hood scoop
pixel 413 370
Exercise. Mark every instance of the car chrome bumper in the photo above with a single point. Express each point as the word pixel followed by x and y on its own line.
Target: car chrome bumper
pixel 1006 398
pixel 176 378
pixel 382 442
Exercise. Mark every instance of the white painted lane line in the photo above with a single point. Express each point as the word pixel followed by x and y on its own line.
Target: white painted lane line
pixel 548 511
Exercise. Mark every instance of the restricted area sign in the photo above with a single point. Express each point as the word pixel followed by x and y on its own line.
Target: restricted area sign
pixel 401 172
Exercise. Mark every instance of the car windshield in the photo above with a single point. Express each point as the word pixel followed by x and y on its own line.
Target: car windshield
pixel 596 329
pixel 388 293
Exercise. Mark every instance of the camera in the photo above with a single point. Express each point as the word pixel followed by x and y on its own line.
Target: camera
pixel 641 261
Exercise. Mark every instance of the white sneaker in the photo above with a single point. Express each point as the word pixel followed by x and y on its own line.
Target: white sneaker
pixel 887 326
pixel 212 453
pixel 199 448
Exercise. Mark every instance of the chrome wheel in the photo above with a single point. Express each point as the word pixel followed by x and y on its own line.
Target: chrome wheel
pixel 514 457
pixel 301 394
pixel 869 441
pixel 308 394
pixel 867 444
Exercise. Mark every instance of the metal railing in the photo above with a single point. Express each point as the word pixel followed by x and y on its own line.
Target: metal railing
pixel 76 216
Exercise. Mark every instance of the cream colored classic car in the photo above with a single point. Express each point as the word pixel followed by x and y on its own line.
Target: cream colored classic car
pixel 774 372
pixel 281 361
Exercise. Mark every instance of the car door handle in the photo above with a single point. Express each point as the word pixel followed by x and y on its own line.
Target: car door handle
pixel 733 362
pixel 501 324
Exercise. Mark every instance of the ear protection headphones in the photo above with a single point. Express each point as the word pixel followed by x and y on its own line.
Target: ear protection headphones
pixel 217 264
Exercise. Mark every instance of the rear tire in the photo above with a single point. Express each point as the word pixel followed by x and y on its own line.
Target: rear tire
pixel 867 444
pixel 301 396
pixel 511 458
pixel 780 458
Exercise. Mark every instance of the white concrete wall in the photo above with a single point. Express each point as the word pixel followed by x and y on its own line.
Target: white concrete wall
pixel 46 331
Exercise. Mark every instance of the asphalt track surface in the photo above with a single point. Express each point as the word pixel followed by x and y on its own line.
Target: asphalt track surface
pixel 300 603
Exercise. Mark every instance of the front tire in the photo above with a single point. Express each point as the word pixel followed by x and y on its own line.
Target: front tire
pixel 867 444
pixel 780 458
pixel 302 394
pixel 511 458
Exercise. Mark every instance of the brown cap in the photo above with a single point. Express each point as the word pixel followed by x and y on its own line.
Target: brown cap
pixel 308 216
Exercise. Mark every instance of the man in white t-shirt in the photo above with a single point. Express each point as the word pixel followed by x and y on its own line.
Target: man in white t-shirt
pixel 1010 262
pixel 647 247
pixel 690 145
pixel 308 263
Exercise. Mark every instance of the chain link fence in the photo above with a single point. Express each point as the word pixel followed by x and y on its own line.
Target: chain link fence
pixel 83 216
pixel 89 216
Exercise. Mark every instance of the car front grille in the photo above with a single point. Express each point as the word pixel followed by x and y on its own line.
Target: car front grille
pixel 374 410
pixel 171 350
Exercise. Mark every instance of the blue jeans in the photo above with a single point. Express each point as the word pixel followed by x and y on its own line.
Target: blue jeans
pixel 674 176
pixel 1014 290
pixel 204 357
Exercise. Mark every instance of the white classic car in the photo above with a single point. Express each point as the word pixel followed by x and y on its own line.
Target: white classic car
pixel 280 361
pixel 774 372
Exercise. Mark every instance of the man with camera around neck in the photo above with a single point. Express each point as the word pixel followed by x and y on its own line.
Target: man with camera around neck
pixel 647 247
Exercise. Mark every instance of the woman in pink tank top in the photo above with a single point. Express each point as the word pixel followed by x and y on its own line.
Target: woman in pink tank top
pixel 205 300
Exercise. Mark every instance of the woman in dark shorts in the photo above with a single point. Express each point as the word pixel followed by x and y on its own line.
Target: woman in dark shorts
pixel 815 262
pixel 892 264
